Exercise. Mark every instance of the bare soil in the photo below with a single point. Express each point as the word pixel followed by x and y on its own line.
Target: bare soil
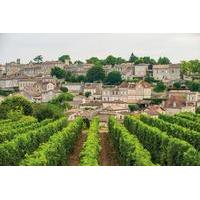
pixel 108 156
pixel 74 159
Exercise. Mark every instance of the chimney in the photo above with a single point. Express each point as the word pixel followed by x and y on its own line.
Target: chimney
pixel 18 60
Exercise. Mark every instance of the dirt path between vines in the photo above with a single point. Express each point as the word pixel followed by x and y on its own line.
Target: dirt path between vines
pixel 108 156
pixel 74 156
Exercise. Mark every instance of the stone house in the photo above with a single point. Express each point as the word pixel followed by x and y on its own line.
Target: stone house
pixel 95 89
pixel 140 70
pixel 127 92
pixel 181 101
pixel 8 82
pixel 126 69
pixel 166 73
pixel 75 88
pixel 40 91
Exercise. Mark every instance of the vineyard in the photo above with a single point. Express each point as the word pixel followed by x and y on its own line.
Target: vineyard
pixel 139 141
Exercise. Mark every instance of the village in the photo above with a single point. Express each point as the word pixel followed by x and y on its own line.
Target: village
pixel 134 94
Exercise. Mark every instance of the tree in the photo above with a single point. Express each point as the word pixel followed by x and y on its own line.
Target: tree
pixel 58 72
pixel 111 60
pixel 177 85
pixel 38 59
pixel 133 107
pixel 78 62
pixel 198 110
pixel 160 87
pixel 64 57
pixel 93 60
pixel 62 99
pixel 120 60
pixel 114 78
pixel 64 89
pixel 47 111
pixel 163 61
pixel 95 73
pixel 15 103
pixel 87 94
pixel 133 58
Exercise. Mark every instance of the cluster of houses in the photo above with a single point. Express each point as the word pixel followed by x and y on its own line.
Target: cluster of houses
pixel 34 81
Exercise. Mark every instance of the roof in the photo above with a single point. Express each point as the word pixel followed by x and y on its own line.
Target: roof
pixel 175 101
pixel 154 110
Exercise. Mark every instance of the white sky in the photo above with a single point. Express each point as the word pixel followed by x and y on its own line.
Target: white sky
pixel 82 45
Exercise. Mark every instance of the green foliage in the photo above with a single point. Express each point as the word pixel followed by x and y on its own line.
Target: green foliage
pixel 58 72
pixel 164 149
pixel 13 151
pixel 190 67
pixel 62 99
pixel 26 125
pixel 47 111
pixel 78 62
pixel 15 115
pixel 114 78
pixel 174 130
pixel 181 121
pixel 56 151
pixel 133 107
pixel 95 73
pixel 6 92
pixel 133 58
pixel 193 85
pixel 160 87
pixel 38 59
pixel 93 60
pixel 87 94
pixel 15 103
pixel 156 101
pixel 198 110
pixel 177 85
pixel 63 58
pixel 89 155
pixel 64 89
pixel 150 80
pixel 129 149
pixel 163 61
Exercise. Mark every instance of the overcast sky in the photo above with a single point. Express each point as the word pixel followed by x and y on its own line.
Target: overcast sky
pixel 82 46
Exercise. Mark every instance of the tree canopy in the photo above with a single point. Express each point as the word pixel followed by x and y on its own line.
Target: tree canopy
pixel 164 61
pixel 114 78
pixel 190 67
pixel 64 57
pixel 15 103
pixel 58 72
pixel 95 73
pixel 38 59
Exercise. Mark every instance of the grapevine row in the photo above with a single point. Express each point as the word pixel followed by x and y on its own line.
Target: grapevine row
pixel 10 134
pixel 89 155
pixel 164 149
pixel 174 130
pixel 24 121
pixel 13 151
pixel 181 121
pixel 130 151
pixel 55 151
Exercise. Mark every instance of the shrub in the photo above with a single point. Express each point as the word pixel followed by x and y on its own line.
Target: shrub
pixel 47 111
pixel 15 103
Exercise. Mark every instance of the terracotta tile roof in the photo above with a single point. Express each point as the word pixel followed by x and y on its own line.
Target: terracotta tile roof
pixel 177 101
